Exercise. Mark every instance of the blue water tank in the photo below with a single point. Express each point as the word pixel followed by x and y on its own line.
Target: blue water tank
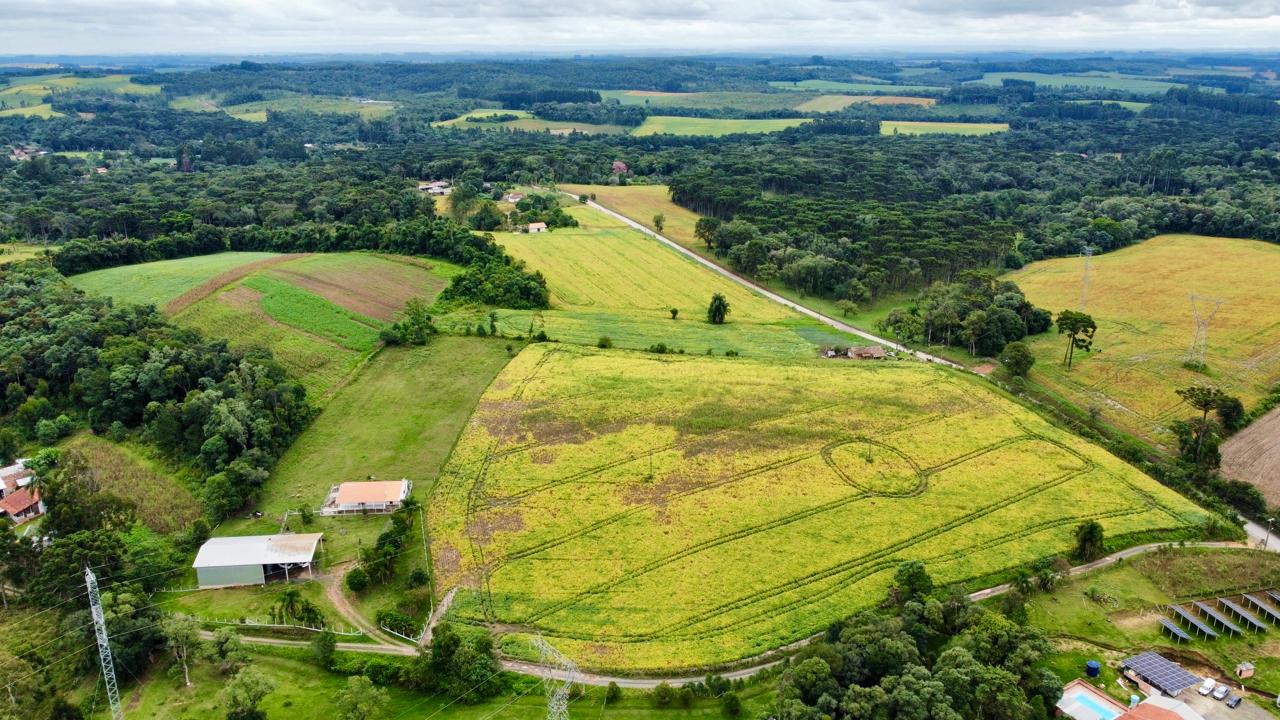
pixel 1093 668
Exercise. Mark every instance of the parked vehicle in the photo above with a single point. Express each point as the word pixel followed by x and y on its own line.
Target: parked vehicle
pixel 1221 692
pixel 1207 686
pixel 1234 701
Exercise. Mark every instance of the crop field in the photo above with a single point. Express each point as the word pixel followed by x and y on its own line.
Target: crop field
pixel 666 125
pixel 832 103
pixel 527 122
pixel 673 512
pixel 1253 455
pixel 1139 298
pixel 757 101
pixel 157 283
pixel 831 86
pixel 162 501
pixel 1104 81
pixel 914 127
pixel 607 279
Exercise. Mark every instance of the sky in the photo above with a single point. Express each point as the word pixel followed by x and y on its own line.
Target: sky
pixel 85 27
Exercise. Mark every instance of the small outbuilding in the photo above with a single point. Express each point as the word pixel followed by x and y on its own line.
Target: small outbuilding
pixel 361 498
pixel 871 352
pixel 537 227
pixel 1244 670
pixel 255 559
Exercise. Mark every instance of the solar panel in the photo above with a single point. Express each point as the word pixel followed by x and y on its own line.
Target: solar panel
pixel 1165 675
pixel 1263 608
pixel 1243 614
pixel 1193 621
pixel 1174 630
pixel 1275 596
pixel 1218 618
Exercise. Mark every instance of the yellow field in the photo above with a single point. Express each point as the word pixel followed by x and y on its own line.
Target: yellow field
pixel 665 125
pixel 913 127
pixel 609 280
pixel 658 513
pixel 1139 297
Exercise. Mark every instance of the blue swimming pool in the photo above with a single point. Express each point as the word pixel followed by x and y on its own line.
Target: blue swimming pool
pixel 1093 709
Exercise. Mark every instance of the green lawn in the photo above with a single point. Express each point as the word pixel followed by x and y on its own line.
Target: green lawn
pixel 156 283
pixel 251 603
pixel 665 125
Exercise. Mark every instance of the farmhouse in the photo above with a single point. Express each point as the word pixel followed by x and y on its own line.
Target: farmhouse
pixel 1161 708
pixel 352 498
pixel 15 476
pixel 435 187
pixel 537 227
pixel 871 352
pixel 515 197
pixel 255 559
pixel 21 505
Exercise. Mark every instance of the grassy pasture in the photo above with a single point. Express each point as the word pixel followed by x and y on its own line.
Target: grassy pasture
pixel 609 280
pixel 17 252
pixel 1126 104
pixel 757 101
pixel 25 95
pixel 1105 81
pixel 40 110
pixel 668 512
pixel 667 125
pixel 1138 296
pixel 914 127
pixel 526 122
pixel 832 103
pixel 831 86
pixel 1138 592
pixel 162 501
pixel 156 283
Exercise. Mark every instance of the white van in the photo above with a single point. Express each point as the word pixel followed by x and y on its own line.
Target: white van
pixel 1207 686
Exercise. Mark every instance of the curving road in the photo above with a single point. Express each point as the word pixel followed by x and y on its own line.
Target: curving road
pixel 760 290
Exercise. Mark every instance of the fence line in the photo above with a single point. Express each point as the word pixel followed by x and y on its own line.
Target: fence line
pixel 253 623
pixel 415 641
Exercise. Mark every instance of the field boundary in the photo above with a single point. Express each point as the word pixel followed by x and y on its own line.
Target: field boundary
pixel 223 279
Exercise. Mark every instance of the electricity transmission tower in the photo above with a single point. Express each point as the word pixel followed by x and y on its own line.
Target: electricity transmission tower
pixel 557 688
pixel 1084 282
pixel 1200 309
pixel 104 646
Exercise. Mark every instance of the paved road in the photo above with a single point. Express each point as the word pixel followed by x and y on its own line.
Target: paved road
pixel 715 267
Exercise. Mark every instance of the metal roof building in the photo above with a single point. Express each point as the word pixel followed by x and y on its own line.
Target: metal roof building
pixel 1164 675
pixel 252 559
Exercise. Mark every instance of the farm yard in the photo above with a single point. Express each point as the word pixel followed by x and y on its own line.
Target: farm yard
pixel 612 500
pixel 608 280
pixel 1139 297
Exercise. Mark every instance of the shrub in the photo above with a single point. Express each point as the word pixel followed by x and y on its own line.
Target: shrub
pixel 613 694
pixel 685 696
pixel 417 578
pixel 604 342
pixel 731 704
pixel 662 695
pixel 396 621
pixel 357 580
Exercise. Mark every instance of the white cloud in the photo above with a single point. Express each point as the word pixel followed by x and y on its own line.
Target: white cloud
pixel 255 26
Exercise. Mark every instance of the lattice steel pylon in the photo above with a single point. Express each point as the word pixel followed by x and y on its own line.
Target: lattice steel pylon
pixel 557 688
pixel 1198 351
pixel 1084 281
pixel 104 646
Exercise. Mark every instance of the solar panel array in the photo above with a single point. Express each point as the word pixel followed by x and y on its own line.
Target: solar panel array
pixel 1193 621
pixel 1244 615
pixel 1177 632
pixel 1163 674
pixel 1218 618
pixel 1263 608
pixel 1275 596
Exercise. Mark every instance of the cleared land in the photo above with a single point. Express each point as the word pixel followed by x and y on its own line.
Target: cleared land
pixel 913 127
pixel 666 125
pixel 1139 297
pixel 15 252
pixel 758 101
pixel 832 103
pixel 157 283
pixel 1130 599
pixel 1104 81
pixel 527 122
pixel 831 86
pixel 607 280
pixel 1253 455
pixel 675 512
pixel 162 501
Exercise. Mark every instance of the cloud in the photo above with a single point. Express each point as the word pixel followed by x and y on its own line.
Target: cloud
pixel 852 26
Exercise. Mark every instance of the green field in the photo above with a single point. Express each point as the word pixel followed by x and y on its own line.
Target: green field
pixel 830 86
pixel 913 127
pixel 24 95
pixel 526 122
pixel 671 512
pixel 1139 298
pixel 156 283
pixel 1126 104
pixel 754 101
pixel 1102 81
pixel 257 111
pixel 1124 620
pixel 15 252
pixel 609 280
pixel 666 125
pixel 833 103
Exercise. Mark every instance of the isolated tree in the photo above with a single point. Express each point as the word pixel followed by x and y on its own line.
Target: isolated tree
pixel 243 693
pixel 659 221
pixel 1204 398
pixel 1017 359
pixel 663 694
pixel 322 647
pixel 718 310
pixel 182 637
pixel 846 307
pixel 227 651
pixel 360 699
pixel 613 693
pixel 1089 540
pixel 1079 328
pixel 912 581
pixel 674 312
pixel 705 230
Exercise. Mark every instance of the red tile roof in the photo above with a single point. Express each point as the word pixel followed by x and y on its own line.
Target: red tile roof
pixel 18 501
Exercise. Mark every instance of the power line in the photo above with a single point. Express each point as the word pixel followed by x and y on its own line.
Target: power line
pixel 104 646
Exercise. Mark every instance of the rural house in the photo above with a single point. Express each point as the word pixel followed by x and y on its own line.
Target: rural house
pixel 255 559
pixel 15 476
pixel 537 227
pixel 378 496
pixel 21 505
pixel 435 187
pixel 871 352
pixel 515 197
